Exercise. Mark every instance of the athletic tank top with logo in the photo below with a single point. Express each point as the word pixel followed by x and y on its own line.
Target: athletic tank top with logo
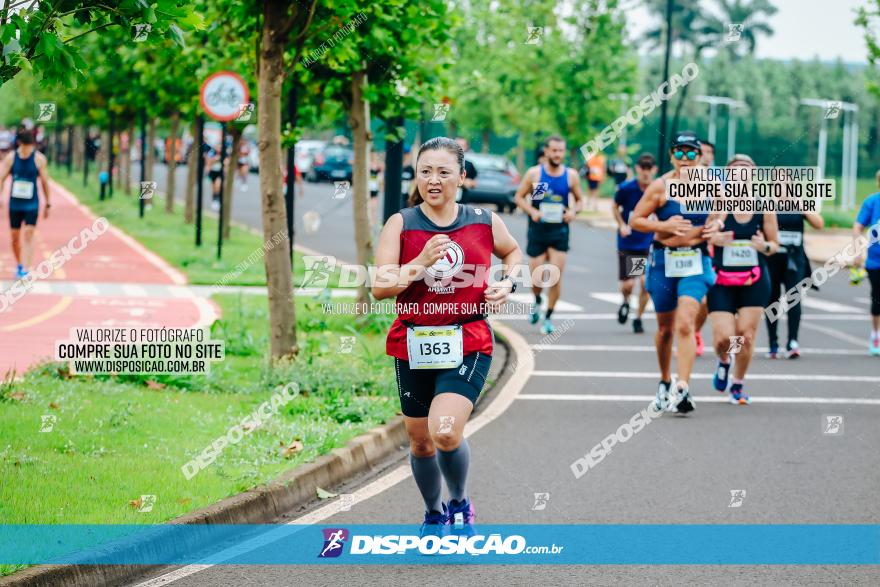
pixel 551 197
pixel 24 183
pixel 453 288
pixel 744 255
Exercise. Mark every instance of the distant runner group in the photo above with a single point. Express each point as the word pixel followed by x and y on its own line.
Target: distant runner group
pixel 728 267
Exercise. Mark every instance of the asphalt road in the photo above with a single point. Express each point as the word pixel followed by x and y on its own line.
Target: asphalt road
pixel 595 376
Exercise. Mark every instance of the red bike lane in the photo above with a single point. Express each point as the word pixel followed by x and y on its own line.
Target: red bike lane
pixel 31 324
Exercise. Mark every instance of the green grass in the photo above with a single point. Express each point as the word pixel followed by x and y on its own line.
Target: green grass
pixel 117 438
pixel 169 237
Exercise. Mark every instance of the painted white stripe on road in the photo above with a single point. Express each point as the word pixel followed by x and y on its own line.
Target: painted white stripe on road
pixel 828 306
pixel 615 298
pixel 751 376
pixel 86 289
pixel 714 399
pixel 838 334
pixel 651 316
pixel 134 291
pixel 561 305
pixel 624 348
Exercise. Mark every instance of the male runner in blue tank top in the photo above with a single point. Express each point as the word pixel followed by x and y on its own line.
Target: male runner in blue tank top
pixel 679 272
pixel 26 164
pixel 544 196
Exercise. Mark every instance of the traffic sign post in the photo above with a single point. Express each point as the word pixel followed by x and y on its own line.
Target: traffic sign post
pixel 223 96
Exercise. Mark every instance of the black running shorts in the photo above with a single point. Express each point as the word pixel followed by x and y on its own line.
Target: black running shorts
pixel 417 387
pixel 541 237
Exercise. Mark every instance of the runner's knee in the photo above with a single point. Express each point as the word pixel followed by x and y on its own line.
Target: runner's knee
pixel 421 446
pixel 446 441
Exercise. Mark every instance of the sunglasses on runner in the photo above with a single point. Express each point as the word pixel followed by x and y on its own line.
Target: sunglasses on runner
pixel 691 155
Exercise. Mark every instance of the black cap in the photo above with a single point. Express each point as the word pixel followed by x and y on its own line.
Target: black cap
pixel 686 138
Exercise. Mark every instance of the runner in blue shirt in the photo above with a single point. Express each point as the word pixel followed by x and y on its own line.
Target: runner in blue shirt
pixel 632 245
pixel 869 217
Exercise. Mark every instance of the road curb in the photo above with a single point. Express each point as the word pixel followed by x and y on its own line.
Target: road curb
pixel 293 488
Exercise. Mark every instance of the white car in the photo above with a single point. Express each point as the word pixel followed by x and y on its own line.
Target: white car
pixel 305 154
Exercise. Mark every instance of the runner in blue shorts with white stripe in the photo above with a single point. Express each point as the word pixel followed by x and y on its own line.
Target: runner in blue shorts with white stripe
pixel 679 272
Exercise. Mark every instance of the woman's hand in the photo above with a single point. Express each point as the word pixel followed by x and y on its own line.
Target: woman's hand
pixel 496 294
pixel 676 225
pixel 434 250
pixel 759 243
pixel 624 230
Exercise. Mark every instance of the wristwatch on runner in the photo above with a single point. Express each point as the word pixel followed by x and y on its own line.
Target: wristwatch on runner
pixel 512 282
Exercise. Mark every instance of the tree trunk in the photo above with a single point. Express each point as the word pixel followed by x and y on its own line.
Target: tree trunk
pixel 151 152
pixel 282 316
pixel 360 130
pixel 171 184
pixel 78 147
pixel 231 170
pixel 192 169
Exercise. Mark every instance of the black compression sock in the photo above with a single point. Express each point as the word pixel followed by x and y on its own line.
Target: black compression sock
pixel 537 299
pixel 549 312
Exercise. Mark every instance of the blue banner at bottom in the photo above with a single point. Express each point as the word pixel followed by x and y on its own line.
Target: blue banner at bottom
pixel 291 544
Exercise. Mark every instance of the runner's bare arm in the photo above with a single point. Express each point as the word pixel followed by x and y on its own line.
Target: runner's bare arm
pixel 5 168
pixel 393 278
pixel 505 248
pixel 43 170
pixel 815 220
pixel 525 188
pixel 574 184
pixel 648 204
pixel 767 239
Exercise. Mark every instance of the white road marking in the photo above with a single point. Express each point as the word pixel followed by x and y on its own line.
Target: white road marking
pixel 828 306
pixel 650 349
pixel 751 376
pixel 651 316
pixel 838 334
pixel 134 291
pixel 714 399
pixel 501 402
pixel 615 298
pixel 561 305
pixel 86 289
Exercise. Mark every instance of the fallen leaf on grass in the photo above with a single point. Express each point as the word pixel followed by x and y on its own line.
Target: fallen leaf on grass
pixel 291 449
pixel 136 503
pixel 53 406
pixel 155 384
pixel 324 494
pixel 17 395
pixel 184 500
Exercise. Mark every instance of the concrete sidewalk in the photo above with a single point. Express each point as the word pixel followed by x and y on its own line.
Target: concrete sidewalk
pixel 820 246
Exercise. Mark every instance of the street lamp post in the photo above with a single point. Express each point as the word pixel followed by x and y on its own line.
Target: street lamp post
pixel 732 105
pixel 850 159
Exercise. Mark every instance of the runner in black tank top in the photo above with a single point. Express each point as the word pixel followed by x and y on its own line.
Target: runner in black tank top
pixel 739 295
pixel 28 168
pixel 787 268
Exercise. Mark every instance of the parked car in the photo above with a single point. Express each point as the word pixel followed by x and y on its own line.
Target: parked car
pixel 305 153
pixel 497 181
pixel 332 163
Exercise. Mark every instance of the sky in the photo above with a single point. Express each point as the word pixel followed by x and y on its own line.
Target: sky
pixel 803 29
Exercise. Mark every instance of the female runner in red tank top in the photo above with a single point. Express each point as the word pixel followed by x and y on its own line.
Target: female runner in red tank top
pixel 434 257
